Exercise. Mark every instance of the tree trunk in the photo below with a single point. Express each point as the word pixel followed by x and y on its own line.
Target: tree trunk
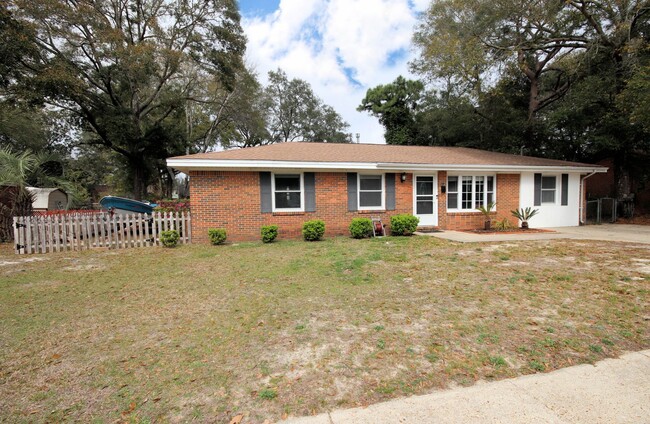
pixel 623 180
pixel 166 182
pixel 622 174
pixel 139 177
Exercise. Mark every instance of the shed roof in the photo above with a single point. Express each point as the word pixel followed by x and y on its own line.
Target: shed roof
pixel 42 196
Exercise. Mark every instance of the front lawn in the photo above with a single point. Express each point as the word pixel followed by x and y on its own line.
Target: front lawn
pixel 293 328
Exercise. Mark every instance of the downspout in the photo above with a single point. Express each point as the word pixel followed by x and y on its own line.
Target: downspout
pixel 582 196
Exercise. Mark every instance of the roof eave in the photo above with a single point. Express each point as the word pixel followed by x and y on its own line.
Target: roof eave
pixel 186 165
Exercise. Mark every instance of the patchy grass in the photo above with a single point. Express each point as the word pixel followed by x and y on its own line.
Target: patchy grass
pixel 291 328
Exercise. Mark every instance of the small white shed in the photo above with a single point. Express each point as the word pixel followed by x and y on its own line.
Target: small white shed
pixel 48 199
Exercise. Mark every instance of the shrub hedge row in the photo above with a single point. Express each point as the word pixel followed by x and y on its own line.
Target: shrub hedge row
pixel 314 230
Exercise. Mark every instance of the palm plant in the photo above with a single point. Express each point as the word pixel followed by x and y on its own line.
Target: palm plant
pixel 19 171
pixel 487 210
pixel 15 172
pixel 524 215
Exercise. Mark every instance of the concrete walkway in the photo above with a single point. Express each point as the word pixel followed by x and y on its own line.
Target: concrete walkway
pixel 611 391
pixel 606 232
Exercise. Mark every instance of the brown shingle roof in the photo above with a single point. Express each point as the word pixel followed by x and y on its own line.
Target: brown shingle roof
pixel 378 153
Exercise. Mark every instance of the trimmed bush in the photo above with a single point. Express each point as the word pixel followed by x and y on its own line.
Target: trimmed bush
pixel 217 235
pixel 269 233
pixel 403 225
pixel 360 228
pixel 169 238
pixel 313 230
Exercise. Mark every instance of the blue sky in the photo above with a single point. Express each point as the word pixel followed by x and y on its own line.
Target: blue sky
pixel 258 7
pixel 341 47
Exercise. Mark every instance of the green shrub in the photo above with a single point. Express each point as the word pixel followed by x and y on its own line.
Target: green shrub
pixel 503 225
pixel 403 225
pixel 169 238
pixel 269 233
pixel 217 235
pixel 313 230
pixel 360 228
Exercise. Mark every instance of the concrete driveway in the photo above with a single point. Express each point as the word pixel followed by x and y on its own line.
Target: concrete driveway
pixel 611 391
pixel 605 232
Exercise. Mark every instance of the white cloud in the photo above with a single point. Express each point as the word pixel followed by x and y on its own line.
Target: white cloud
pixel 326 41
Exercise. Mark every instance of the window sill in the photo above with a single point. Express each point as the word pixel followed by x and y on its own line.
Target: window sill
pixel 468 212
pixel 287 213
pixel 370 211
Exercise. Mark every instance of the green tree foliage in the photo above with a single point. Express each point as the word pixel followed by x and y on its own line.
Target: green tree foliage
pixel 248 116
pixel 396 105
pixel 128 69
pixel 558 79
pixel 19 170
pixel 294 113
pixel 16 46
pixel 468 42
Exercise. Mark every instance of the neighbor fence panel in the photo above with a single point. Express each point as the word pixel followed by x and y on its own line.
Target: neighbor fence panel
pixel 60 233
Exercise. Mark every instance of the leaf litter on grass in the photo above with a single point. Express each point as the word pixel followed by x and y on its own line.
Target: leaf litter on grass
pixel 199 334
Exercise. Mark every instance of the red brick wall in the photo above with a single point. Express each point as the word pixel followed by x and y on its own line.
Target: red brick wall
pixel 231 200
pixel 507 196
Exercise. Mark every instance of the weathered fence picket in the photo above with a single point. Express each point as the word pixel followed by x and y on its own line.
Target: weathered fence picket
pixel 59 233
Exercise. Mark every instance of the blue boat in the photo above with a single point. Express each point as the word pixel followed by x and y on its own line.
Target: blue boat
pixel 122 205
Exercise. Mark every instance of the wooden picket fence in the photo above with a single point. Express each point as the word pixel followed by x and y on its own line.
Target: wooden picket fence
pixel 59 233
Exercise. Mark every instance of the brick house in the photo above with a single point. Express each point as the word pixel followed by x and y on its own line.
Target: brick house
pixel 289 183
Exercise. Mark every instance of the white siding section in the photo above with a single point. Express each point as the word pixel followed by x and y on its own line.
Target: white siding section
pixel 552 215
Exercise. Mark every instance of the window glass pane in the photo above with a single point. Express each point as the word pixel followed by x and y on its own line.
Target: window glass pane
pixel 479 191
pixel 452 200
pixel 424 207
pixel 452 184
pixel 548 182
pixel 466 202
pixel 287 200
pixel 490 197
pixel 490 183
pixel 370 199
pixel 287 182
pixel 424 187
pixel 370 182
pixel 548 196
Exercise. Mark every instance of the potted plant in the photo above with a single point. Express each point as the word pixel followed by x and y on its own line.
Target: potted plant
pixel 487 210
pixel 524 215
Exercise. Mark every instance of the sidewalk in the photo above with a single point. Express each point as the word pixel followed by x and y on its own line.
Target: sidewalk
pixel 611 391
pixel 606 232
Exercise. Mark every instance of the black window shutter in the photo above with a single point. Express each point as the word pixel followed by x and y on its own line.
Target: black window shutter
pixel 538 190
pixel 390 192
pixel 266 201
pixel 352 191
pixel 310 191
pixel 565 189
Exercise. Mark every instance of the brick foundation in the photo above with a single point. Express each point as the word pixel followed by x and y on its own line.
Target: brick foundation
pixel 231 200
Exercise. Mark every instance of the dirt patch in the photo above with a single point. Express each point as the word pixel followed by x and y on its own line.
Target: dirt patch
pixel 637 220
pixel 643 265
pixel 7 262
pixel 511 231
pixel 203 334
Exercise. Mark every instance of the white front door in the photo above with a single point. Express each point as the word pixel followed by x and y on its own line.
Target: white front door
pixel 425 199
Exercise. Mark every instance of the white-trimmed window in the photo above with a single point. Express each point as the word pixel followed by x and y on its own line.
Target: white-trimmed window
pixel 468 192
pixel 549 188
pixel 288 192
pixel 371 191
